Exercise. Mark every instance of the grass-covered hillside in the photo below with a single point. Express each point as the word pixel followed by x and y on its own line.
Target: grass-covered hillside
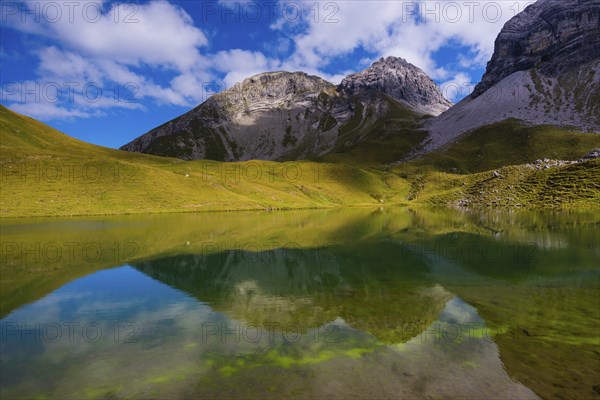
pixel 508 143
pixel 496 166
pixel 47 173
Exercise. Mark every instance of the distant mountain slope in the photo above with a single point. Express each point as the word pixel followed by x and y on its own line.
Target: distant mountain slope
pixel 46 173
pixel 287 116
pixel 545 70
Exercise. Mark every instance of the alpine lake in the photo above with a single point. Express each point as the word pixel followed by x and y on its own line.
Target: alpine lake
pixel 340 303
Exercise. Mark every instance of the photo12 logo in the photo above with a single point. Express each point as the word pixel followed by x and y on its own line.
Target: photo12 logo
pixel 52 12
pixel 265 252
pixel 68 332
pixel 255 172
pixel 491 12
pixel 55 92
pixel 66 252
pixel 80 172
pixel 291 333
pixel 272 12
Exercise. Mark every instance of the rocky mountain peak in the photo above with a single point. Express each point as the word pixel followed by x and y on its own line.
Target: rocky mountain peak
pixel 292 115
pixel 401 80
pixel 270 89
pixel 279 84
pixel 554 35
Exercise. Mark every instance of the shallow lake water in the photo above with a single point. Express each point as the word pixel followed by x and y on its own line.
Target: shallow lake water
pixel 357 303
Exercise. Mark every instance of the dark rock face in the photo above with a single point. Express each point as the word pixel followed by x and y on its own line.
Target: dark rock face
pixel 552 35
pixel 401 80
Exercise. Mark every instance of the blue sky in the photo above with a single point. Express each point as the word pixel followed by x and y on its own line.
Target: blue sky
pixel 108 71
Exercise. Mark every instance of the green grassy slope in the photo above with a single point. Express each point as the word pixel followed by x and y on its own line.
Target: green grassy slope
pixel 45 172
pixel 572 186
pixel 462 173
pixel 508 143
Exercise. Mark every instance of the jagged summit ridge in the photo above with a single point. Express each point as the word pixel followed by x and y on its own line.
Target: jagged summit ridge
pixel 401 80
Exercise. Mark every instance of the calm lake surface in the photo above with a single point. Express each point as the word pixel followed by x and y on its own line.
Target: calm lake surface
pixel 359 303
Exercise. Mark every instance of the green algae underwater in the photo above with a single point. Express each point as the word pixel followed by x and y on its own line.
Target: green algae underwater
pixel 355 303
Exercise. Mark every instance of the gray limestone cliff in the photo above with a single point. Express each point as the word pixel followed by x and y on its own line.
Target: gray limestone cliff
pixel 554 36
pixel 545 70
